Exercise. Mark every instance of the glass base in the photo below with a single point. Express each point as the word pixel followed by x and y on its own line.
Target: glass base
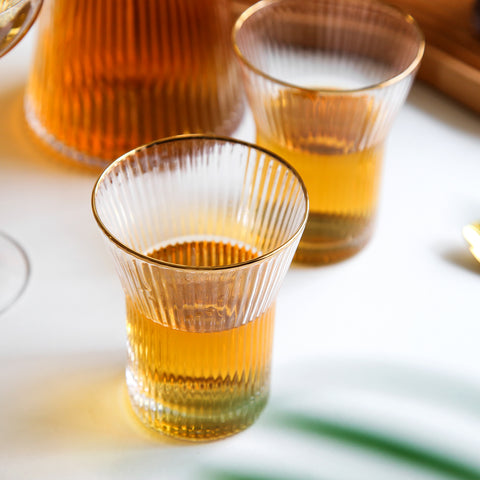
pixel 83 158
pixel 200 416
pixel 56 145
pixel 332 238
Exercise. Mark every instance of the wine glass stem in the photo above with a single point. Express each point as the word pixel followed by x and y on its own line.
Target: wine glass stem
pixel 14 271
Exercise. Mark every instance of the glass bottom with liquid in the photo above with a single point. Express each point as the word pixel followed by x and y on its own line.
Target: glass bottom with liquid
pixel 198 385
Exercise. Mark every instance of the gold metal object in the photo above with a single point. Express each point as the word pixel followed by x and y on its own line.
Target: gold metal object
pixel 471 233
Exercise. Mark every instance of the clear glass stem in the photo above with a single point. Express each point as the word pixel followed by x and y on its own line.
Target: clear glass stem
pixel 14 271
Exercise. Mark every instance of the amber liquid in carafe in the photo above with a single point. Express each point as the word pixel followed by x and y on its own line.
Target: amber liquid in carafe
pixel 201 384
pixel 110 75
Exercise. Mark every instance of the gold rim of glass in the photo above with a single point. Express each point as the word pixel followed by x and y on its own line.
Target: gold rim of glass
pixel 325 91
pixel 3 13
pixel 189 137
pixel 14 4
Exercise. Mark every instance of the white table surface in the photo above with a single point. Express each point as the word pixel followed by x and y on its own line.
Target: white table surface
pixel 380 352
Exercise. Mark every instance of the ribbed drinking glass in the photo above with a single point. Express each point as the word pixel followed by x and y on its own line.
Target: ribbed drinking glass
pixel 202 230
pixel 325 80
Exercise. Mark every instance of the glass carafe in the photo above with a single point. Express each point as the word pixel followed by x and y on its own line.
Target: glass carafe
pixel 109 75
pixel 239 6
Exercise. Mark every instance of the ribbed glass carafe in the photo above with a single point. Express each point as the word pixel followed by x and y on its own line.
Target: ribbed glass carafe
pixel 110 75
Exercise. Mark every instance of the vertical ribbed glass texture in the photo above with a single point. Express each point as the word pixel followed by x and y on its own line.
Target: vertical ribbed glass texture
pixel 202 231
pixel 325 79
pixel 239 6
pixel 110 75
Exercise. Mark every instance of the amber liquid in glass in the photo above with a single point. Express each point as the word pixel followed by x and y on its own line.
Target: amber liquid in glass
pixel 199 385
pixel 322 139
pixel 110 75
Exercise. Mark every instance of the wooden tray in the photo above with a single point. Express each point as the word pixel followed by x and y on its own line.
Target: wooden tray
pixel 452 55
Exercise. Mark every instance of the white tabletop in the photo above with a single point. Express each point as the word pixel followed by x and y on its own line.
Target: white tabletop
pixel 376 367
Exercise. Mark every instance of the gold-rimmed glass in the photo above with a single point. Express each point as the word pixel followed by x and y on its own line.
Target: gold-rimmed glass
pixel 325 80
pixel 202 230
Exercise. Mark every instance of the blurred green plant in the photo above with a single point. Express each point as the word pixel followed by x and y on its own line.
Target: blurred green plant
pixel 380 444
pixel 374 442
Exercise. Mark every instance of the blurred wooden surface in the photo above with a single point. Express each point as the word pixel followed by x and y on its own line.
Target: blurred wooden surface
pixel 452 55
